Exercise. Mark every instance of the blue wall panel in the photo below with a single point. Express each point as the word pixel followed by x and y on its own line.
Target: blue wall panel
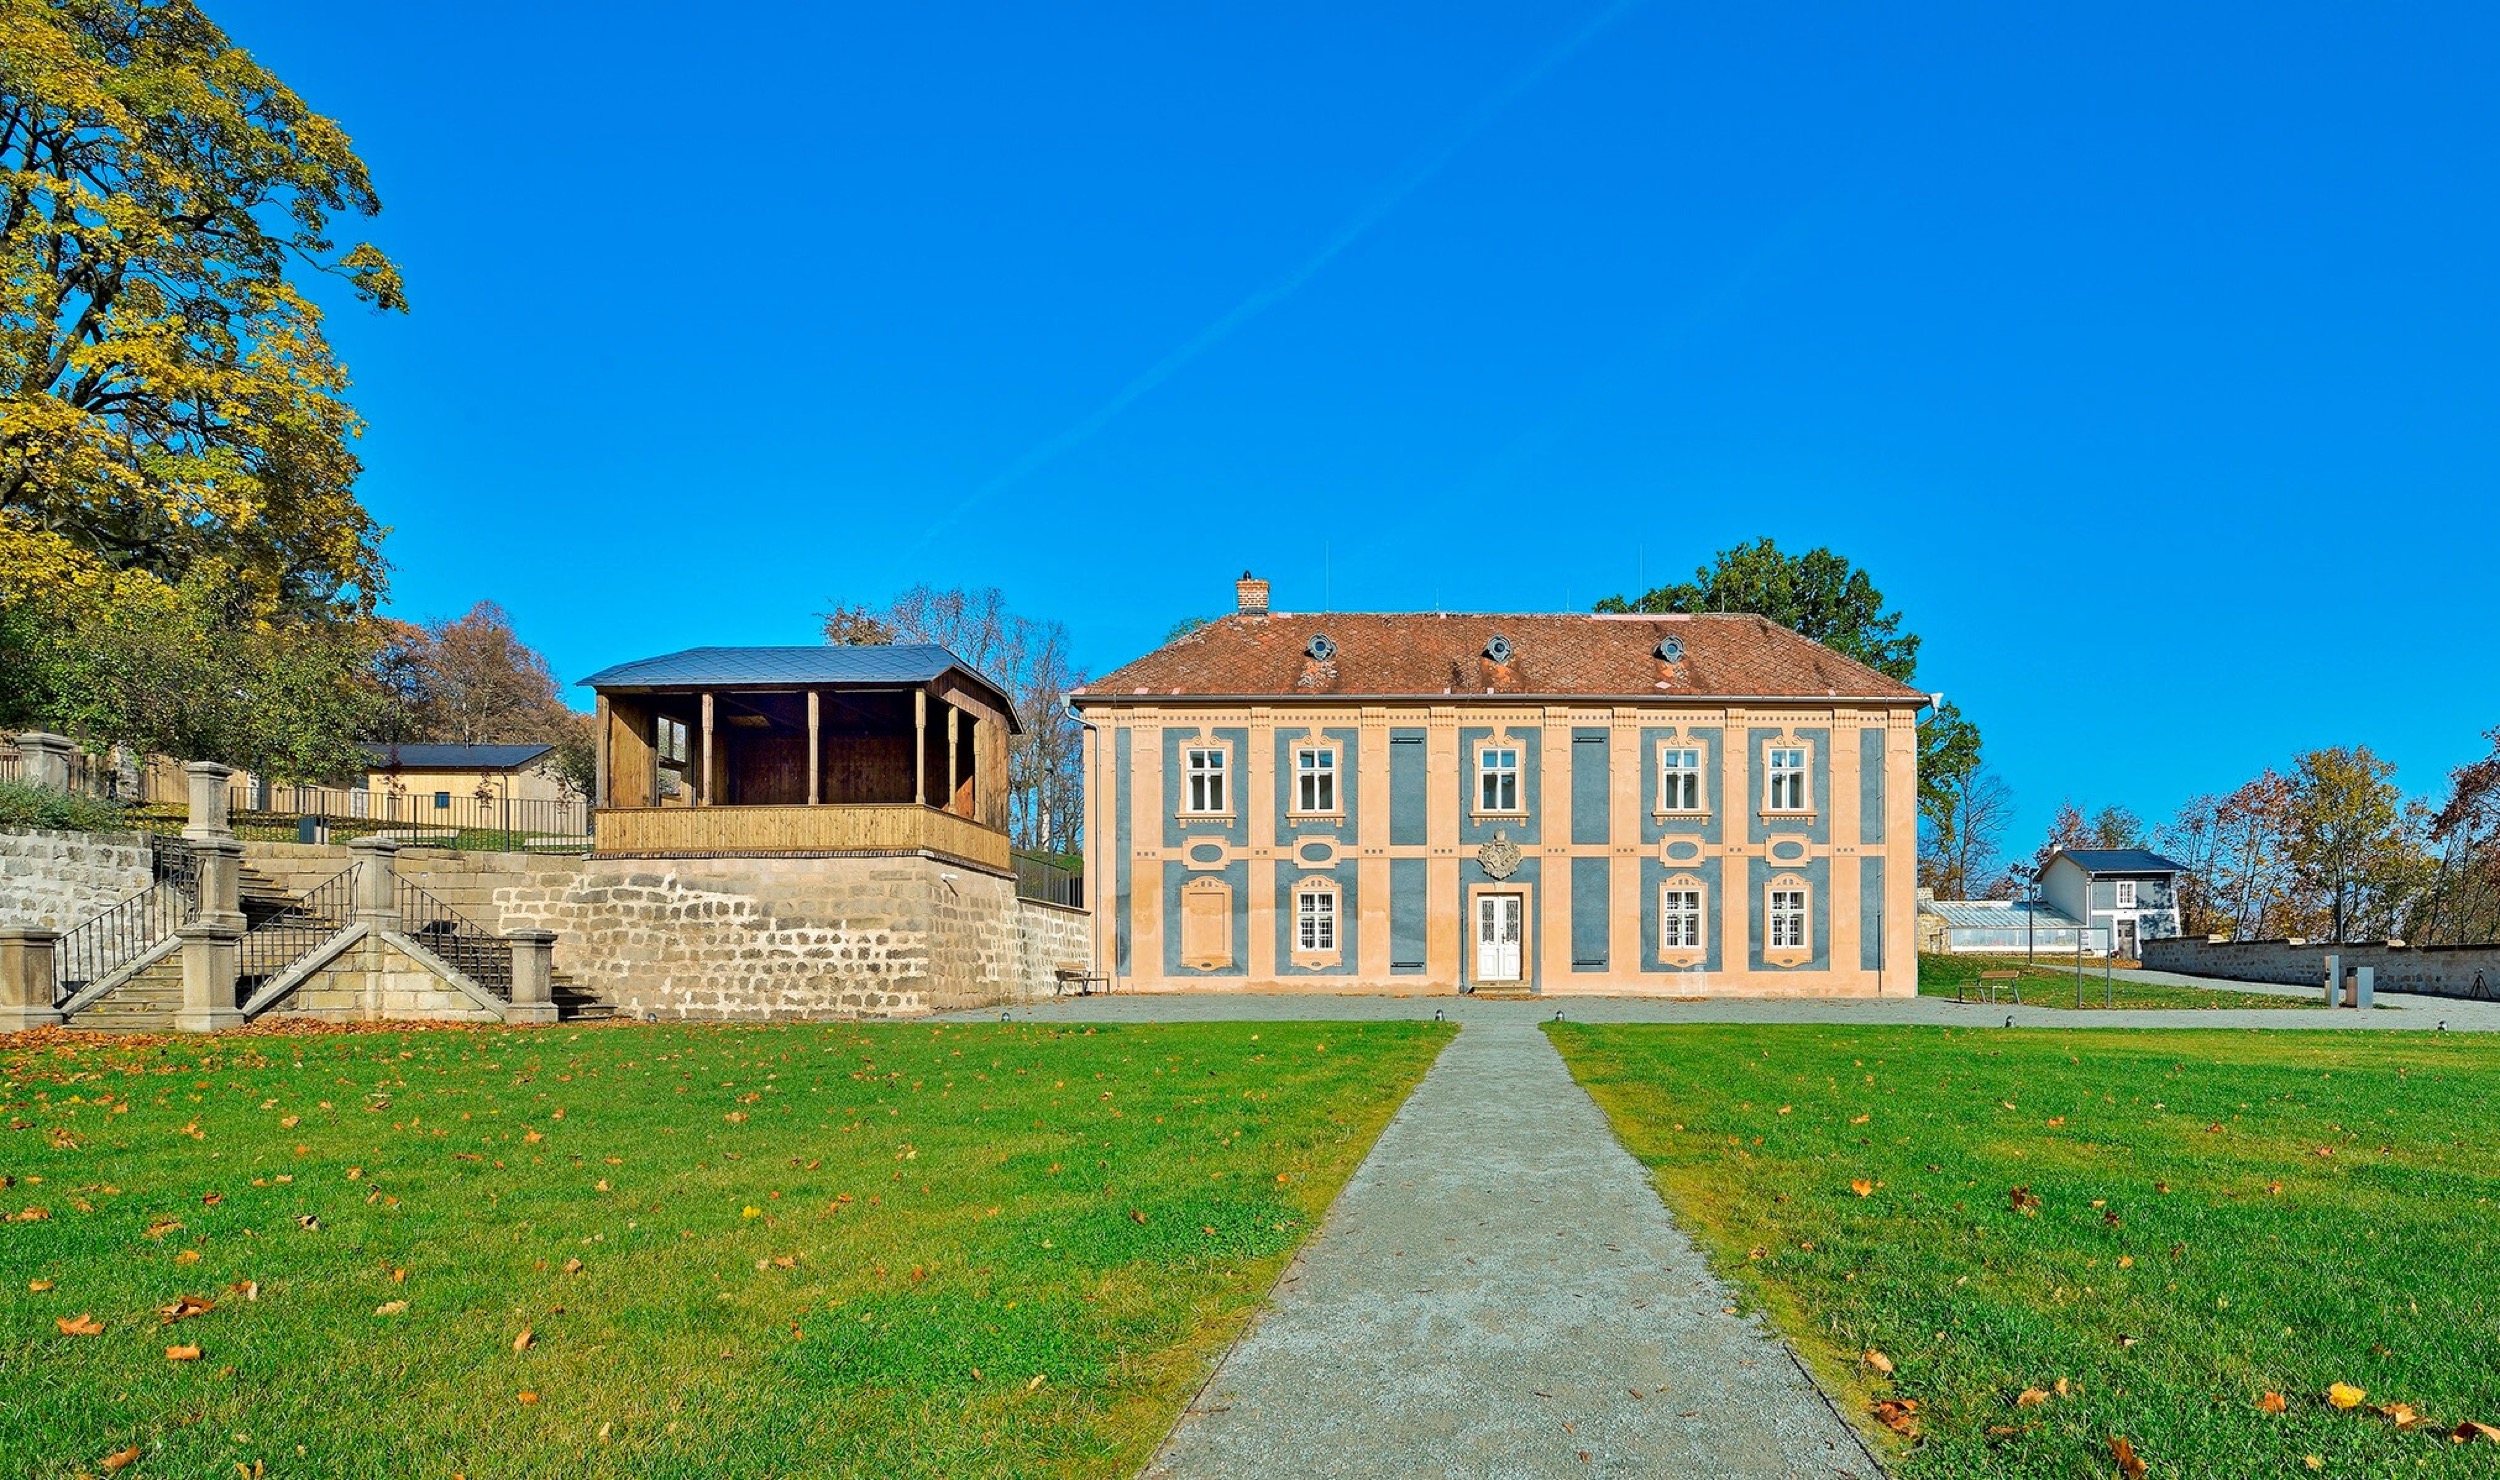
pixel 1409 788
pixel 1408 904
pixel 1871 943
pixel 1871 785
pixel 1591 910
pixel 1591 797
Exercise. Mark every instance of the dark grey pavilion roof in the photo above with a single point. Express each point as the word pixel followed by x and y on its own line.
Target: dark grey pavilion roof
pixel 2123 861
pixel 431 757
pixel 785 667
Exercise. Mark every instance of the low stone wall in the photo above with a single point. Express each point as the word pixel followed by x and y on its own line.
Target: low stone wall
pixel 375 979
pixel 2436 971
pixel 61 880
pixel 1046 936
pixel 748 937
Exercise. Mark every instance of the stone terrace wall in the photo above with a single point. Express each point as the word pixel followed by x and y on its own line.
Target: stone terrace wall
pixel 61 880
pixel 1046 935
pixel 2437 971
pixel 749 937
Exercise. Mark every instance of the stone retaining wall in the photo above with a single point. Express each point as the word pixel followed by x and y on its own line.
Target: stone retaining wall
pixel 61 880
pixel 2437 971
pixel 748 937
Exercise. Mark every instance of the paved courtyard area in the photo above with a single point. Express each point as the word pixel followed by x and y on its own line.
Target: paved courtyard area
pixel 2394 1011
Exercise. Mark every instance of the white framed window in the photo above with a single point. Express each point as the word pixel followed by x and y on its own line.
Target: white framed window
pixel 1679 918
pixel 2126 894
pixel 1204 767
pixel 1786 766
pixel 1315 779
pixel 1315 919
pixel 1679 779
pixel 1497 779
pixel 1787 920
pixel 669 738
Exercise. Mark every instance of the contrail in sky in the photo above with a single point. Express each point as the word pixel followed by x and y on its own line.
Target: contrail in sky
pixel 1346 235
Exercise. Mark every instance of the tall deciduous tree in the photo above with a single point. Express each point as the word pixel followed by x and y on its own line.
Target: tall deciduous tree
pixel 1031 660
pixel 1821 595
pixel 470 680
pixel 2345 818
pixel 169 395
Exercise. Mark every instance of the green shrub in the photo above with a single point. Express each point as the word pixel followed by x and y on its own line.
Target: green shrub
pixel 22 805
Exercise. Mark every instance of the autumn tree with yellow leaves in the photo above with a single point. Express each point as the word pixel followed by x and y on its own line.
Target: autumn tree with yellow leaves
pixel 183 561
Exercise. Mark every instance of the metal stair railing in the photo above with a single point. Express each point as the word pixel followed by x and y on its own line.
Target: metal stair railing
pixel 121 935
pixel 288 936
pixel 468 947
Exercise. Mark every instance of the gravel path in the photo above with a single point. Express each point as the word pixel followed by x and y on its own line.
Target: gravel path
pixel 1499 1292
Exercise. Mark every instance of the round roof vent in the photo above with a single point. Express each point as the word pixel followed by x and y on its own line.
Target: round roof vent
pixel 1321 648
pixel 1670 650
pixel 1499 649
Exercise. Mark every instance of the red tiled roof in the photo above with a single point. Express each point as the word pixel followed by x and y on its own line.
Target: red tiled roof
pixel 1564 655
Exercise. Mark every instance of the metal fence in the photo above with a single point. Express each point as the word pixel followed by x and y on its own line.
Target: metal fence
pixel 478 953
pixel 1042 877
pixel 283 939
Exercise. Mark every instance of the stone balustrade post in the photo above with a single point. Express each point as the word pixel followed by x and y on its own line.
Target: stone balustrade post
pixel 26 978
pixel 221 879
pixel 533 977
pixel 212 963
pixel 209 817
pixel 44 759
pixel 377 881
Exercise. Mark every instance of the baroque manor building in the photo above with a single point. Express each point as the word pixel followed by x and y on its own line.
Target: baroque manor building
pixel 1657 805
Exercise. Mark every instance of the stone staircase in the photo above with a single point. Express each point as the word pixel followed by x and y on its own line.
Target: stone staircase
pixel 147 1003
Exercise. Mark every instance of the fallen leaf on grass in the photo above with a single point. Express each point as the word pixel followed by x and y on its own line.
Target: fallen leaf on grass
pixel 38 1286
pixel 187 1256
pixel 308 1222
pixel 162 1227
pixel 2345 1395
pixel 182 1354
pixel 121 1459
pixel 248 1289
pixel 2468 1431
pixel 1899 1415
pixel 2402 1415
pixel 572 1266
pixel 1858 1119
pixel 1035 1384
pixel 528 1398
pixel 2129 1464
pixel 390 1307
pixel 1879 1361
pixel 1862 1187
pixel 522 1342
pixel 185 1308
pixel 2272 1403
pixel 2031 1397
pixel 81 1324
pixel 2023 1200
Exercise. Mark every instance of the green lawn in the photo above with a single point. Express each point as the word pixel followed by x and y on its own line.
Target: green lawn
pixel 803 1250
pixel 2049 983
pixel 2170 1224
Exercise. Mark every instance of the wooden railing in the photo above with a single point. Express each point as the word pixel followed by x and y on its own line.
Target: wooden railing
pixel 900 827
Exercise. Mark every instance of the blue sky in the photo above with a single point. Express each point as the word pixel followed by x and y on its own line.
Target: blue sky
pixel 2144 355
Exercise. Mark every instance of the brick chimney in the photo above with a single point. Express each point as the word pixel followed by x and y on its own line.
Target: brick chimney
pixel 1251 595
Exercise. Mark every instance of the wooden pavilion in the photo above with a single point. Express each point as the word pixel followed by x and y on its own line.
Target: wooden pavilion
pixel 802 751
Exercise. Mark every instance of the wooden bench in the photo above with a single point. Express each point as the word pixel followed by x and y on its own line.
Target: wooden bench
pixel 1989 981
pixel 1078 975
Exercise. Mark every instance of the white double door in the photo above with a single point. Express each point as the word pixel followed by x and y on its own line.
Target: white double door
pixel 1499 920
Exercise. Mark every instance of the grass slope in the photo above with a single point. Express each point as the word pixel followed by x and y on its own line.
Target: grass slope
pixel 2047 983
pixel 2218 1216
pixel 804 1250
